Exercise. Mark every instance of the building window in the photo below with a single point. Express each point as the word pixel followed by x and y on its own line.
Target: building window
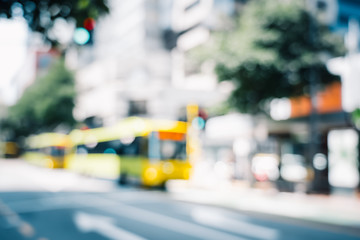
pixel 137 107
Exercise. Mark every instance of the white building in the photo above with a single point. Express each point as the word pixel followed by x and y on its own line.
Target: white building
pixel 133 73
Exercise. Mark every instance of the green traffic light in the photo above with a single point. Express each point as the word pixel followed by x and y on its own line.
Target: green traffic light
pixel 81 36
pixel 198 123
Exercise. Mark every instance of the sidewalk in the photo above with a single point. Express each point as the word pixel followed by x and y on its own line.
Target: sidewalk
pixel 327 209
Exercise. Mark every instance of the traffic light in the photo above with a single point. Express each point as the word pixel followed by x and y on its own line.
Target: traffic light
pixel 84 35
pixel 199 121
pixel 89 25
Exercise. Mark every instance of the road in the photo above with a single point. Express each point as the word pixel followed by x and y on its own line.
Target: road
pixel 43 204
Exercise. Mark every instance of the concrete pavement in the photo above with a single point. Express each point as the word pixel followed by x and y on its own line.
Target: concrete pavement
pixel 17 176
pixel 325 209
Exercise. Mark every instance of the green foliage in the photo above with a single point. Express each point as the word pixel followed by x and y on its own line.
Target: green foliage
pixel 41 14
pixel 355 117
pixel 270 52
pixel 44 105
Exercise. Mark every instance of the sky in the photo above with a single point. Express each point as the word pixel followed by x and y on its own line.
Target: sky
pixel 13 49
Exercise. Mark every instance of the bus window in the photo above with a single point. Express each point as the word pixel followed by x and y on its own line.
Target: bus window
pixel 131 148
pixel 57 151
pixel 115 145
pixel 109 147
pixel 81 149
pixel 10 150
pixel 172 150
pixel 144 146
pixel 100 147
pixel 112 147
pixel 165 146
pixel 46 150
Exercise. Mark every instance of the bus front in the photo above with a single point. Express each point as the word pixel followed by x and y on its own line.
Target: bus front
pixel 167 158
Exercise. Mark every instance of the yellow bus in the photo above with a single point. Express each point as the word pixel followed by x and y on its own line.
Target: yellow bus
pixel 10 149
pixel 47 149
pixel 145 150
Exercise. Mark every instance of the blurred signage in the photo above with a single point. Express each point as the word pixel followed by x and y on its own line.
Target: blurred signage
pixel 44 59
pixel 348 67
pixel 328 101
pixel 171 136
pixel 343 153
pixel 229 127
pixel 280 108
pixel 265 167
pixel 349 70
pixel 293 167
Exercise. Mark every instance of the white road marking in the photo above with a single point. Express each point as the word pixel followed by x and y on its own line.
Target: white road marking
pixel 103 225
pixel 114 206
pixel 14 220
pixel 218 220
pixel 166 222
pixel 140 215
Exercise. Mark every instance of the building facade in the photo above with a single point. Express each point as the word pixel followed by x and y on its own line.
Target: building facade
pixel 138 65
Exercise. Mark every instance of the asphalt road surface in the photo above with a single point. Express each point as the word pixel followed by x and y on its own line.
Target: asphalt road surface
pixel 42 204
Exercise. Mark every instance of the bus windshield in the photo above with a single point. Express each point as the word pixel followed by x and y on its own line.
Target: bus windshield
pixel 57 151
pixel 165 146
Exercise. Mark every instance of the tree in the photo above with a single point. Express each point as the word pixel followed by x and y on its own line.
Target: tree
pixel 270 52
pixel 45 105
pixel 41 14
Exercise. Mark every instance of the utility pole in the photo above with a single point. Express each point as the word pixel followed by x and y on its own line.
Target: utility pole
pixel 320 182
